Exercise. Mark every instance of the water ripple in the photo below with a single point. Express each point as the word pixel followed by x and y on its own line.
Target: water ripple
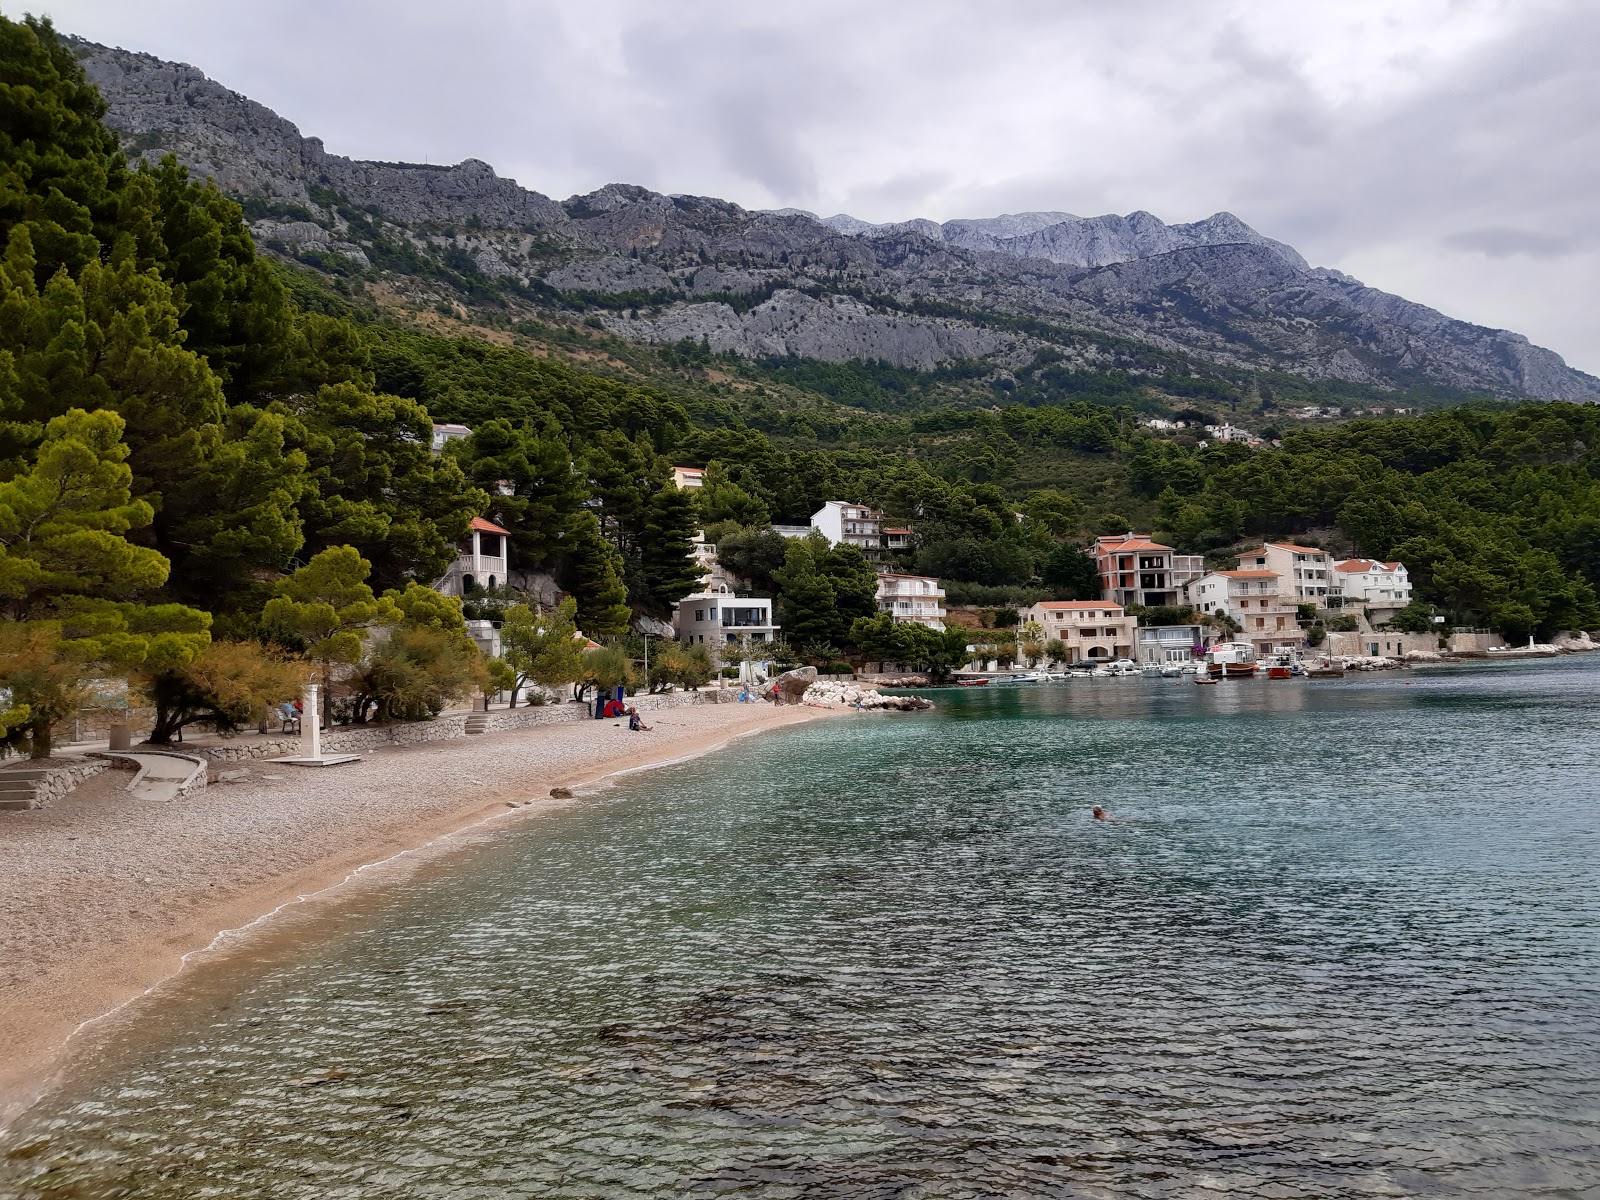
pixel 1341 942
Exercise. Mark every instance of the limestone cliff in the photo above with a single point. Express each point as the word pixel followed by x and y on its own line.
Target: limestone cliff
pixel 789 282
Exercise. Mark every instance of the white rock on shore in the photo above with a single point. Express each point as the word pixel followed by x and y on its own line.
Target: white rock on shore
pixel 829 694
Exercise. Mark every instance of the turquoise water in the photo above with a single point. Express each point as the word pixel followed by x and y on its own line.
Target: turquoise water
pixel 1340 940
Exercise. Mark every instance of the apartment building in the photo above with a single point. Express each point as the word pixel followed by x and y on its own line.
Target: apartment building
pixel 1305 574
pixel 1088 629
pixel 852 524
pixel 1254 599
pixel 1135 570
pixel 916 598
pixel 685 478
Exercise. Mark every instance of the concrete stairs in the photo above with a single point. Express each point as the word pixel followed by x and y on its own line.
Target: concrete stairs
pixel 19 786
pixel 477 722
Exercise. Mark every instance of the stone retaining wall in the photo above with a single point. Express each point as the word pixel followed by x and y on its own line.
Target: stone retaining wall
pixel 354 739
pixel 60 780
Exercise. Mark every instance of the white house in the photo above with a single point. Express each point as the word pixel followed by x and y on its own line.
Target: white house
pixel 448 433
pixel 1254 600
pixel 482 560
pixel 915 598
pixel 688 477
pixel 1089 629
pixel 717 616
pixel 1173 643
pixel 853 524
pixel 1367 583
pixel 1305 574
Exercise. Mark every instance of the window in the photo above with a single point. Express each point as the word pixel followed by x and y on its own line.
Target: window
pixel 491 545
pixel 713 612
pixel 699 614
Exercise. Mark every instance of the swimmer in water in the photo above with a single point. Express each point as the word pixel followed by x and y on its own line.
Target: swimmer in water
pixel 1100 814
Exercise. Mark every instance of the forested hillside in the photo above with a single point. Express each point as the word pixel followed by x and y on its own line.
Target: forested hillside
pixel 202 446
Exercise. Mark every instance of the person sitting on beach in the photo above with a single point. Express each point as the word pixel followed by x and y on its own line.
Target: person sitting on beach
pixel 634 723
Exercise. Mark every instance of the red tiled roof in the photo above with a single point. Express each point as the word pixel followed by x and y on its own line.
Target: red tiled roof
pixel 1293 549
pixel 1131 544
pixel 907 531
pixel 1359 566
pixel 483 526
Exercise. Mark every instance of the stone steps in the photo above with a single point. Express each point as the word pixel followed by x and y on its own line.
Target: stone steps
pixel 477 723
pixel 16 794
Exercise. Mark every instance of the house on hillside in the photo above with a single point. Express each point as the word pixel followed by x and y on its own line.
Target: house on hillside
pixel 1305 574
pixel 1089 630
pixel 853 525
pixel 717 616
pixel 1383 588
pixel 482 560
pixel 444 434
pixel 916 599
pixel 1254 600
pixel 1135 570
pixel 686 478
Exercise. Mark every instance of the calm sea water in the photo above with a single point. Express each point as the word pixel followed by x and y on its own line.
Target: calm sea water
pixel 1341 941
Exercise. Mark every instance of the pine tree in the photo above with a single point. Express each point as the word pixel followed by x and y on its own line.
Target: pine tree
pixel 670 571
pixel 595 570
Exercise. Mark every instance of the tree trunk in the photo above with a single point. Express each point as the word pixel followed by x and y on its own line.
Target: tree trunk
pixel 39 739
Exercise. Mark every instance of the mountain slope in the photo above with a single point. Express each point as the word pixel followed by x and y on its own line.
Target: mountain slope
pixel 915 293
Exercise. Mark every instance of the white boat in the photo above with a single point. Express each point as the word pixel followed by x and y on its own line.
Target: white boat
pixel 1150 668
pixel 1103 671
pixel 1171 670
pixel 1231 660
pixel 1125 666
pixel 1024 677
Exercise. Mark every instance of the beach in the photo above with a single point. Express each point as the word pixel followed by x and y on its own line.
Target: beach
pixel 105 895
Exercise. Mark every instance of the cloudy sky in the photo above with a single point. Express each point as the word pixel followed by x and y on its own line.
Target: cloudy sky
pixel 1447 150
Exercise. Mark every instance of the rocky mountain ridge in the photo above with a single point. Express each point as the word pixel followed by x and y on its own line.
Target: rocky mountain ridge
pixel 663 268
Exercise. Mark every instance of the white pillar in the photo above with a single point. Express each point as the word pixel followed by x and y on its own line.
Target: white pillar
pixel 311 720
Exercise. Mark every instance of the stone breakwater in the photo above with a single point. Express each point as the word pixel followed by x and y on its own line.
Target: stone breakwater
pixel 827 694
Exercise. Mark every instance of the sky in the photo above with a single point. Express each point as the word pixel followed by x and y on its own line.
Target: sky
pixel 1444 150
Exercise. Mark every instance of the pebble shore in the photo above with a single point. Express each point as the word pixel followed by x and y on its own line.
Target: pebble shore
pixel 103 895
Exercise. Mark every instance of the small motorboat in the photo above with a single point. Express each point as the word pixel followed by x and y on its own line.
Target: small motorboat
pixel 1125 666
pixel 1206 680
pixel 1024 677
pixel 972 683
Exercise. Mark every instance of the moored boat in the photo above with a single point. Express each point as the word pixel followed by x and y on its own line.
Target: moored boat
pixel 1231 660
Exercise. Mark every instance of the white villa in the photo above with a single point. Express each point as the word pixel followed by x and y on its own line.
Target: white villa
pixel 443 434
pixel 1372 584
pixel 688 477
pixel 912 598
pixel 717 616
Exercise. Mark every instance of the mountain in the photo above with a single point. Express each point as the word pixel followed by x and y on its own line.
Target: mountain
pixel 658 268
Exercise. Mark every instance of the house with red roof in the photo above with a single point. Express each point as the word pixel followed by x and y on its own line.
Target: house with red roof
pixel 482 560
pixel 1136 570
pixel 1305 574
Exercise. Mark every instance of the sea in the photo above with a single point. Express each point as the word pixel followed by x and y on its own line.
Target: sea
pixel 1337 938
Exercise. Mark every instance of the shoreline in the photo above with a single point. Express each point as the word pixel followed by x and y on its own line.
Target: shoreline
pixel 84 967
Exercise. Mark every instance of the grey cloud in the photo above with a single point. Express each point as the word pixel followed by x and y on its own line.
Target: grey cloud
pixel 940 109
pixel 1504 243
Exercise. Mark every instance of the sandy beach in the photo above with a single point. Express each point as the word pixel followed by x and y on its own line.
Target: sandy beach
pixel 104 895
